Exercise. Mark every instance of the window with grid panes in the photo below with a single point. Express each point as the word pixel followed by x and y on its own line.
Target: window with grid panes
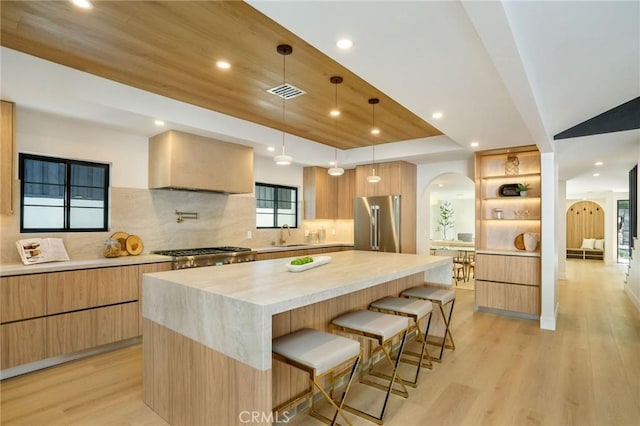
pixel 62 195
pixel 276 205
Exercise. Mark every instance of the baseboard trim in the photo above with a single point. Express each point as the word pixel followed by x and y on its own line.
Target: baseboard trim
pixel 549 323
pixel 634 299
pixel 50 362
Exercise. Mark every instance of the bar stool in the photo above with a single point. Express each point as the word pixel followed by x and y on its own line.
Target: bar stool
pixel 417 310
pixel 441 297
pixel 318 353
pixel 382 328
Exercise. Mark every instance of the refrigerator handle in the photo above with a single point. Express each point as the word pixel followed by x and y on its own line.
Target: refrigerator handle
pixel 375 228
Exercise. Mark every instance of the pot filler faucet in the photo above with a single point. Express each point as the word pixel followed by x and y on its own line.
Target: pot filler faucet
pixel 283 239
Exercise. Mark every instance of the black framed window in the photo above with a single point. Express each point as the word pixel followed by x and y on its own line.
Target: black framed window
pixel 61 195
pixel 276 205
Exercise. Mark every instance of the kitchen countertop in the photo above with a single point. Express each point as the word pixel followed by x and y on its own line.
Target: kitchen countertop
pixel 7 270
pixel 230 309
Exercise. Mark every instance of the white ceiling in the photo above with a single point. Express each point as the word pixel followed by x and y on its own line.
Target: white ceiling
pixel 503 73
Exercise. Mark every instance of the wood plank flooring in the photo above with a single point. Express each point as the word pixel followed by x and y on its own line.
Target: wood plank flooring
pixel 505 371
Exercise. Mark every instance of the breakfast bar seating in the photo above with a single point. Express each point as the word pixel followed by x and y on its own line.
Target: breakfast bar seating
pixel 382 328
pixel 319 353
pixel 417 310
pixel 441 297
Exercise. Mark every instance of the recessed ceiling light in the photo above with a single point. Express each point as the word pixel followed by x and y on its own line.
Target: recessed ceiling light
pixel 440 185
pixel 223 65
pixel 599 163
pixel 474 144
pixel 596 174
pixel 270 149
pixel 158 123
pixel 84 4
pixel 344 43
pixel 436 115
pixel 375 131
pixel 334 113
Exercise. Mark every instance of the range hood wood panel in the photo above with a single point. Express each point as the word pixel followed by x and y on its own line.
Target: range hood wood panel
pixel 179 160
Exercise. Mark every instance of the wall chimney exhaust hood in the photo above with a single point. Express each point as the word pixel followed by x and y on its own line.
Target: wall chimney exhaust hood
pixel 184 161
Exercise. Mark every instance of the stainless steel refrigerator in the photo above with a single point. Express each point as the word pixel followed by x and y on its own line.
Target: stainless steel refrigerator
pixel 377 223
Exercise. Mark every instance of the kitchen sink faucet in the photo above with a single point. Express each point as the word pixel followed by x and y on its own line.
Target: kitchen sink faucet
pixel 283 239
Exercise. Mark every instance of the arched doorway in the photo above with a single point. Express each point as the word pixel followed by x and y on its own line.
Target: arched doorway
pixel 585 231
pixel 451 208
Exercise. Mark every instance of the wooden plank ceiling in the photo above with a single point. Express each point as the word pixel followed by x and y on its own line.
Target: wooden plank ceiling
pixel 170 48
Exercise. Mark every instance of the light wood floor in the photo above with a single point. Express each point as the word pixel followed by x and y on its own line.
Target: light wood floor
pixel 505 371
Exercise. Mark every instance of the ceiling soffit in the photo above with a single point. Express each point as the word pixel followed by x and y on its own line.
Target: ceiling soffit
pixel 170 48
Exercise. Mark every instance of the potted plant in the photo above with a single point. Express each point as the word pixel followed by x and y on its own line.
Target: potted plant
pixel 446 220
pixel 523 188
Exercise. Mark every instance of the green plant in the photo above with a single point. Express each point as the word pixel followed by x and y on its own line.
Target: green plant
pixel 522 187
pixel 446 221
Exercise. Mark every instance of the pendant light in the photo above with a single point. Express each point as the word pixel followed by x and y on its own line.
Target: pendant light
pixel 285 50
pixel 373 178
pixel 335 170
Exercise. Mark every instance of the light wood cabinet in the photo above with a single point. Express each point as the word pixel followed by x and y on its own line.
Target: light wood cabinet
pixel 72 290
pixel 58 313
pixel 500 218
pixel 181 160
pixel 397 177
pixel 508 269
pixel 505 280
pixel 22 342
pixel 76 331
pixel 346 194
pixel 320 193
pixel 22 297
pixel 326 196
pixel 7 157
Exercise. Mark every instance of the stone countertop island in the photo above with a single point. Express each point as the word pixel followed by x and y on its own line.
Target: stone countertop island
pixel 207 331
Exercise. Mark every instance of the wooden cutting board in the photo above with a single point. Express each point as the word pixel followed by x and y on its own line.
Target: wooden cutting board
pixel 519 242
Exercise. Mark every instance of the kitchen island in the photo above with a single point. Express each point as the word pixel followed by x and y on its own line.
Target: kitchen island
pixel 208 331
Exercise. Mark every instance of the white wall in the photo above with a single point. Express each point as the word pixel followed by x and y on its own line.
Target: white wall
pixel 53 135
pixel 463 216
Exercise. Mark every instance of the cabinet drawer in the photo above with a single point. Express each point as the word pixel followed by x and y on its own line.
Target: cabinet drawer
pixel 22 342
pixel 490 294
pixel 73 290
pixel 76 331
pixel 22 297
pixel 508 269
pixel 510 297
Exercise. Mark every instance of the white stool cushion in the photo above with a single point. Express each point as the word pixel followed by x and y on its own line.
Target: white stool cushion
pixel 316 349
pixel 376 323
pixel 439 295
pixel 416 307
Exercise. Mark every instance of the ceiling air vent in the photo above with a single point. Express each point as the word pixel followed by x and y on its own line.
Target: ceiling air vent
pixel 286 91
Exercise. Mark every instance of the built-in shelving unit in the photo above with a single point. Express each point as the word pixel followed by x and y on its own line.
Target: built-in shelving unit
pixel 507 276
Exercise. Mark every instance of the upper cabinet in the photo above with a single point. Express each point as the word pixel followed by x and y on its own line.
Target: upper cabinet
pixel 7 157
pixel 328 197
pixel 397 177
pixel 503 212
pixel 179 160
pixel 346 194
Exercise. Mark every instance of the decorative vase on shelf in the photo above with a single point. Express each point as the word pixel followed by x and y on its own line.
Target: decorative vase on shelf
pixel 511 165
pixel 523 193
pixel 530 241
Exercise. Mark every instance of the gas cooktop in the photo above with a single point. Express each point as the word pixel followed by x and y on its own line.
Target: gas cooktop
pixel 208 256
